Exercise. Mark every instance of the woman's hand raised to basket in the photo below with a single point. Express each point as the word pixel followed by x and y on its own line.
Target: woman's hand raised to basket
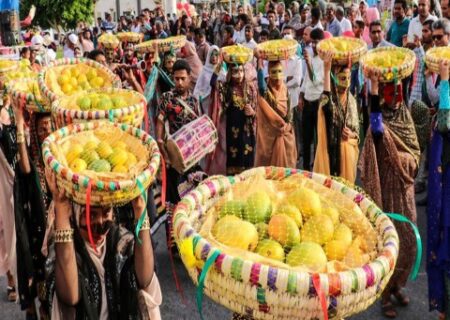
pixel 373 76
pixel 63 207
pixel 327 58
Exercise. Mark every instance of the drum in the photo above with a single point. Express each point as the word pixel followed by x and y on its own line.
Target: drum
pixel 191 143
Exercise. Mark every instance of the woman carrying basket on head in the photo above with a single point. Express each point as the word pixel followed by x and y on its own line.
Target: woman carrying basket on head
pixel 338 124
pixel 388 165
pixel 275 143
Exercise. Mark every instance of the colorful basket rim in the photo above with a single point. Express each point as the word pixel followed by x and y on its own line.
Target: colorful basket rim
pixel 99 114
pixel 112 42
pixel 242 57
pixel 116 83
pixel 9 87
pixel 215 186
pixel 402 71
pixel 83 180
pixel 345 56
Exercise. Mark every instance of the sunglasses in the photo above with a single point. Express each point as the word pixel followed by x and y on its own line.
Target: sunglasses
pixel 376 31
pixel 438 37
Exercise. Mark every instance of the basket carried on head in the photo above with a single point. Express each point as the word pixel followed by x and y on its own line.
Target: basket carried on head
pixel 109 41
pixel 7 66
pixel 27 91
pixel 53 79
pixel 276 50
pixel 345 50
pixel 434 56
pixel 117 105
pixel 164 45
pixel 130 37
pixel 80 142
pixel 393 63
pixel 237 54
pixel 267 291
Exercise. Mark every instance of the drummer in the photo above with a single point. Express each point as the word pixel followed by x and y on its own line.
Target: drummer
pixel 178 107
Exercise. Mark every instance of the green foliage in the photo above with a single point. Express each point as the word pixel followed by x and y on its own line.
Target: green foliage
pixel 65 13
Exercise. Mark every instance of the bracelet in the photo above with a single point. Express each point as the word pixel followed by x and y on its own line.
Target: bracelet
pixel 20 139
pixel 145 224
pixel 63 235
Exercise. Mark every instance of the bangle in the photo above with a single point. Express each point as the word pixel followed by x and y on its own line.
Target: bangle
pixel 63 235
pixel 20 137
pixel 145 224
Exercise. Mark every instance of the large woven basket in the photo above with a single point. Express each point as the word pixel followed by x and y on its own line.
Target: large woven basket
pixel 131 37
pixel 237 54
pixel 391 74
pixel 107 189
pixel 432 60
pixel 276 50
pixel 346 57
pixel 33 102
pixel 109 41
pixel 266 292
pixel 133 114
pixel 55 67
pixel 164 45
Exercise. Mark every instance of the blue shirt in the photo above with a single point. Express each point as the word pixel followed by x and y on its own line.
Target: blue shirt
pixel 334 27
pixel 397 31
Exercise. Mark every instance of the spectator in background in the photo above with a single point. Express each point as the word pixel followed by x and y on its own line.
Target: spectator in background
pixel 310 93
pixel 263 36
pixel 249 41
pixel 444 9
pixel 286 19
pixel 99 22
pixel 159 30
pixel 346 25
pixel 316 15
pixel 377 37
pixel 228 33
pixel 77 52
pixel 272 18
pixel 239 32
pixel 358 29
pixel 108 24
pixel 86 41
pixel 71 43
pixel 280 13
pixel 352 13
pixel 415 26
pixel 333 24
pixel 137 24
pixel 201 45
pixel 399 27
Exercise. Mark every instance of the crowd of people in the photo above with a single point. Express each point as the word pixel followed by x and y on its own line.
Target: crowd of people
pixel 304 112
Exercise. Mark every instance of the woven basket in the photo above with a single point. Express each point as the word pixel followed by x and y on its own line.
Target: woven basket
pixel 276 50
pixel 267 292
pixel 237 54
pixel 391 74
pixel 131 37
pixel 432 61
pixel 11 66
pixel 32 103
pixel 109 41
pixel 133 114
pixel 48 75
pixel 164 45
pixel 344 57
pixel 107 189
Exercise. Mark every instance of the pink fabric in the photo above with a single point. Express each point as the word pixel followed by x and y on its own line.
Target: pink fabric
pixel 372 14
pixel 349 34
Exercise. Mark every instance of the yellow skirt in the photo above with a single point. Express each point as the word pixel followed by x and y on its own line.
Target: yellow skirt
pixel 349 153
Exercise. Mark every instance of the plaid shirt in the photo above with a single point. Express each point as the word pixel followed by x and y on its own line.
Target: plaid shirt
pixel 418 76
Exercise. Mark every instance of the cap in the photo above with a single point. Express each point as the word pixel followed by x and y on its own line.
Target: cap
pixel 73 38
pixel 37 40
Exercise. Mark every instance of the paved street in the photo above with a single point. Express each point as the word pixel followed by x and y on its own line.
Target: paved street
pixel 173 308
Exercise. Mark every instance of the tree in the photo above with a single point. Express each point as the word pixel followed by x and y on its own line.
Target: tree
pixel 64 13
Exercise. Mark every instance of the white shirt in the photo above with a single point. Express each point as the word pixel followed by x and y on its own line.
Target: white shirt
pixel 69 53
pixel 293 68
pixel 346 25
pixel 313 88
pixel 250 44
pixel 239 36
pixel 415 27
pixel 318 25
pixel 136 29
